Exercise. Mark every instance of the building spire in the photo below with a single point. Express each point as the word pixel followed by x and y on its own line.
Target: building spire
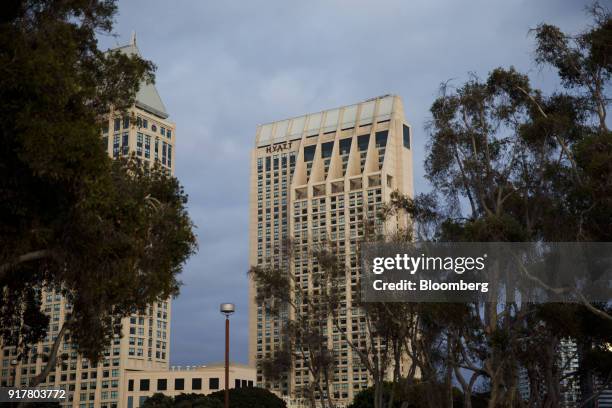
pixel 133 39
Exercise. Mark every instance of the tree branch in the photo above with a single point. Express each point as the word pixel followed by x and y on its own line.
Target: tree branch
pixel 42 376
pixel 27 257
pixel 561 142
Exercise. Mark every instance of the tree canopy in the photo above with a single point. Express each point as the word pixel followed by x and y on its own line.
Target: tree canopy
pixel 108 235
pixel 239 398
pixel 507 163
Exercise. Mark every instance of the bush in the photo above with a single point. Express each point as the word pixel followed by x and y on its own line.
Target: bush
pixel 159 400
pixel 250 398
pixel 416 394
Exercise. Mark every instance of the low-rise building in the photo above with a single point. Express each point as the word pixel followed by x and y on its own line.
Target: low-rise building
pixel 203 379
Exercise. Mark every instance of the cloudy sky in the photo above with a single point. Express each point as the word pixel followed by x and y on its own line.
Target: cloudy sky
pixel 226 66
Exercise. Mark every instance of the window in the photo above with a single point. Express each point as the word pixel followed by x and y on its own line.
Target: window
pixel 345 146
pixel 117 125
pixel 145 123
pixel 162 384
pixel 381 138
pixel 179 384
pixel 144 385
pixel 154 128
pixel 130 402
pixel 139 140
pixel 213 383
pixel 162 130
pixel 196 383
pixel 406 131
pixel 309 152
pixel 125 142
pixel 147 146
pixel 236 383
pixel 116 146
pixel 126 122
pixel 169 134
pixel 362 142
pixel 326 149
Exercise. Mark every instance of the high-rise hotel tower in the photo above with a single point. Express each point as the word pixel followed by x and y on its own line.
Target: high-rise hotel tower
pixel 145 131
pixel 313 178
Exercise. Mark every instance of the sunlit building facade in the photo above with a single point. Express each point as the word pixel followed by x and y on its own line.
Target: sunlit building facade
pixel 316 177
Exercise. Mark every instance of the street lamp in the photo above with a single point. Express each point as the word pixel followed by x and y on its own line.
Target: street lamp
pixel 227 309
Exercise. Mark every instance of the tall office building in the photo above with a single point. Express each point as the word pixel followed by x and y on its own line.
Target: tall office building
pixel 315 178
pixel 568 362
pixel 145 131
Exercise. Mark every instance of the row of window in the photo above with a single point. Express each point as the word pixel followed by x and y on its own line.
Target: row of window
pixel 162 151
pixel 142 123
pixel 179 384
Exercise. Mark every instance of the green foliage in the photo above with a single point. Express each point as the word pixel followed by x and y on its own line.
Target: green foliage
pixel 107 235
pixel 250 398
pixel 278 291
pixel 239 398
pixel 413 395
pixel 365 398
pixel 160 400
pixel 514 164
pixel 277 366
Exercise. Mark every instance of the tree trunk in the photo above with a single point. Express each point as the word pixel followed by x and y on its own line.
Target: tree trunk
pixel 52 359
pixel 466 387
pixel 313 400
pixel 586 379
pixel 397 355
pixel 329 398
pixel 378 393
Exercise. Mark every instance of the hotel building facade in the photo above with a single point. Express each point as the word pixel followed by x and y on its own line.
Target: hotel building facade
pixel 144 131
pixel 315 178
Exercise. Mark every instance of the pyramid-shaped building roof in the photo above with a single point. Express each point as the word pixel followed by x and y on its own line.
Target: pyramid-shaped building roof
pixel 147 98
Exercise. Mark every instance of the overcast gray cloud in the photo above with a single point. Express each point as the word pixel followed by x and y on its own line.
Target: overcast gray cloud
pixel 225 66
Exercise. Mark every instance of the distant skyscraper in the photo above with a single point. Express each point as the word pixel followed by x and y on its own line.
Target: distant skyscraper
pixel 314 178
pixel 145 131
pixel 568 361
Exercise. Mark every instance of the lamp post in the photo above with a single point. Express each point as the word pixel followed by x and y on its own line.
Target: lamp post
pixel 227 309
